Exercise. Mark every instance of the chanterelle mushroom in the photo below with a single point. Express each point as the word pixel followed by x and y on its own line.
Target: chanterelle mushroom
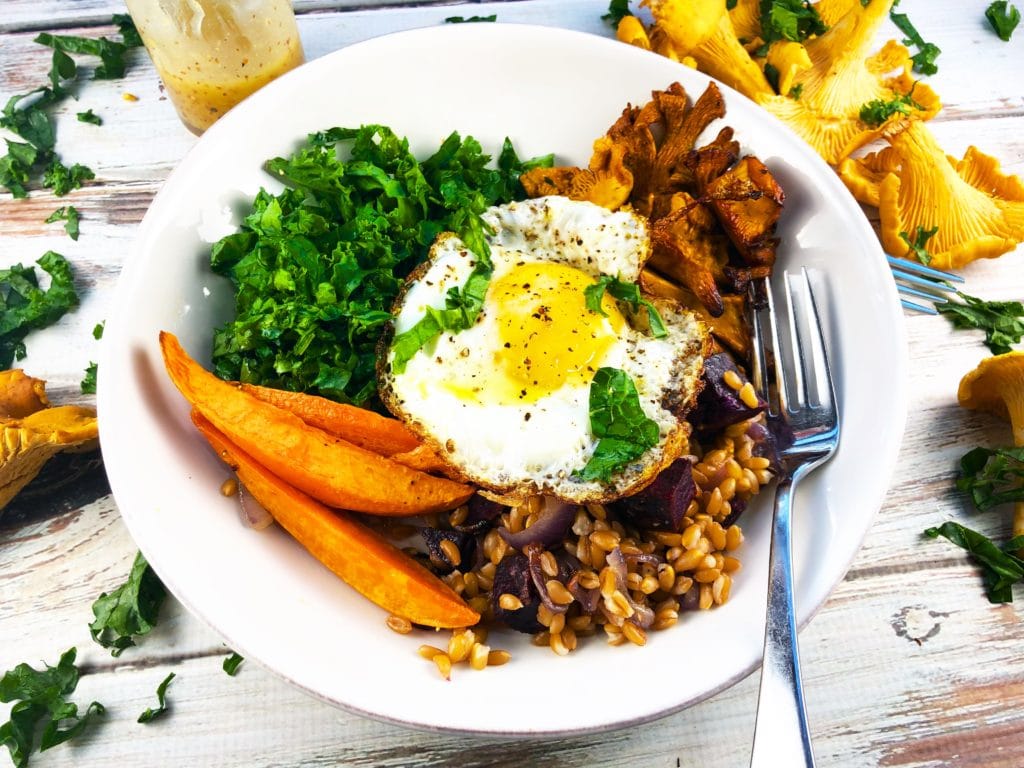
pixel 979 210
pixel 996 386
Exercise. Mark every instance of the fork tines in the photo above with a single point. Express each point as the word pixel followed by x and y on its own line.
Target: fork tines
pixel 917 280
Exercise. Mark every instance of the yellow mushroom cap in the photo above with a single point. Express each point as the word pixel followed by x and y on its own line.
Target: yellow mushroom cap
pixel 996 386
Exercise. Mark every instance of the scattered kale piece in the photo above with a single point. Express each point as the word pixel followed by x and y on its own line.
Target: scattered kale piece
pixel 794 20
pixel 88 383
pixel 876 112
pixel 619 9
pixel 992 476
pixel 1000 568
pixel 1002 321
pixel 90 117
pixel 1003 17
pixel 317 267
pixel 25 307
pixel 161 696
pixel 129 611
pixel 628 293
pixel 916 244
pixel 924 59
pixel 26 114
pixel 232 663
pixel 69 215
pixel 129 34
pixel 620 425
pixel 40 700
pixel 470 19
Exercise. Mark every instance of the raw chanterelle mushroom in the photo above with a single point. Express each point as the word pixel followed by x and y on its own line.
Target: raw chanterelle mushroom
pixel 996 386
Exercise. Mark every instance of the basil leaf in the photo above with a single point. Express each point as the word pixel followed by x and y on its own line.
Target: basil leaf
pixel 1000 569
pixel 628 293
pixel 161 696
pixel 129 611
pixel 616 418
pixel 40 701
pixel 1002 321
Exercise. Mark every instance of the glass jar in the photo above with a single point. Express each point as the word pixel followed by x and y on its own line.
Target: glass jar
pixel 211 54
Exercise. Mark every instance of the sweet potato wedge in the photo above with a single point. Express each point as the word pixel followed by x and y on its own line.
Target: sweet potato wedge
pixel 359 426
pixel 331 470
pixel 357 555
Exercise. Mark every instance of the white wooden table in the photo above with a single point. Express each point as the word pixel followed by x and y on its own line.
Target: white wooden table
pixel 906 665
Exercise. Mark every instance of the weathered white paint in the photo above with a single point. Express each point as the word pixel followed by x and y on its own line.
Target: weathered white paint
pixel 906 665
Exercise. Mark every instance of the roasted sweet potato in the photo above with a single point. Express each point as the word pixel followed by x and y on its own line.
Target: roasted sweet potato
pixel 328 468
pixel 359 426
pixel 359 556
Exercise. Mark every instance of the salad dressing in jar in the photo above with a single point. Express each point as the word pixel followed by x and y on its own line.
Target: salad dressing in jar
pixel 211 54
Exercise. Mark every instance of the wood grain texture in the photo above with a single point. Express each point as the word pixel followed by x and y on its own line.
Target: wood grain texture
pixel 907 665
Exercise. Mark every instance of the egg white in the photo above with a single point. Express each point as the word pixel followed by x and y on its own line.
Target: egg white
pixel 452 395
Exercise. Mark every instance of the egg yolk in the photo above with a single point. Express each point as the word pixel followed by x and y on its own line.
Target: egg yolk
pixel 548 337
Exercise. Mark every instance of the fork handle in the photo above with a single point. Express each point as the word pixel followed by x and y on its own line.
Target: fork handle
pixel 781 736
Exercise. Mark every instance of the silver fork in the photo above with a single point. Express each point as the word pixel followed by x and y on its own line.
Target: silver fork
pixel 921 282
pixel 803 416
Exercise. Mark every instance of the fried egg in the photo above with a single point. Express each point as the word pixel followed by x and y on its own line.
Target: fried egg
pixel 506 402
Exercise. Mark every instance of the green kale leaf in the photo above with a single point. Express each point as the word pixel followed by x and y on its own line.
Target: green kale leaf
pixel 617 10
pixel 62 179
pixel 150 714
pixel 992 476
pixel 794 20
pixel 232 663
pixel 129 611
pixel 69 215
pixel 40 700
pixel 90 117
pixel 1003 17
pixel 25 307
pixel 620 425
pixel 924 59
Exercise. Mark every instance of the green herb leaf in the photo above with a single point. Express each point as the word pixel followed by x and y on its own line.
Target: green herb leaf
pixel 916 244
pixel 232 662
pixel 1002 321
pixel 40 697
pixel 992 476
pixel 796 91
pixel 129 34
pixel 794 20
pixel 876 112
pixel 88 383
pixel 97 330
pixel 617 10
pixel 317 267
pixel 110 52
pixel 470 20
pixel 161 693
pixel 771 74
pixel 1003 17
pixel 25 307
pixel 90 117
pixel 924 59
pixel 62 179
pixel 624 292
pixel 619 423
pixel 69 215
pixel 129 611
pixel 1000 568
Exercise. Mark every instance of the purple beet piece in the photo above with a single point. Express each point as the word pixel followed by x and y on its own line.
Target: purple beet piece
pixel 736 508
pixel 482 514
pixel 718 404
pixel 662 505
pixel 512 577
pixel 439 562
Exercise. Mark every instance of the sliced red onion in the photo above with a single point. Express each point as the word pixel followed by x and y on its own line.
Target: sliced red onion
pixel 532 553
pixel 642 616
pixel 587 598
pixel 644 558
pixel 251 512
pixel 549 530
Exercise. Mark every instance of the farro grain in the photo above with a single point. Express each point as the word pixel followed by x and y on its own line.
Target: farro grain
pixel 498 658
pixel 706 597
pixel 666 576
pixel 569 638
pixel 558 593
pixel 582 525
pixel 633 580
pixel 665 623
pixel 478 656
pixel 688 560
pixel 548 564
pixel 458 515
pixel 472 584
pixel 460 645
pixel 763 476
pixel 706 575
pixel 608 585
pixel 667 539
pixel 581 623
pixel 598 511
pixel 481 605
pixel 673 553
pixel 557 623
pixel 451 552
pixel 541 639
pixel 444 665
pixel 733 469
pixel 620 605
pixel 229 487
pixel 398 624
pixel 748 395
pixel 733 538
pixel 683 585
pixel 428 652
pixel 634 634
pixel 720 589
pixel 732 380
pixel 510 602
pixel 649 585
pixel 690 537
pixel 728 487
pixel 589 579
pixel 544 615
pixel 534 504
pixel 730 564
pixel 758 462
pixel 714 503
